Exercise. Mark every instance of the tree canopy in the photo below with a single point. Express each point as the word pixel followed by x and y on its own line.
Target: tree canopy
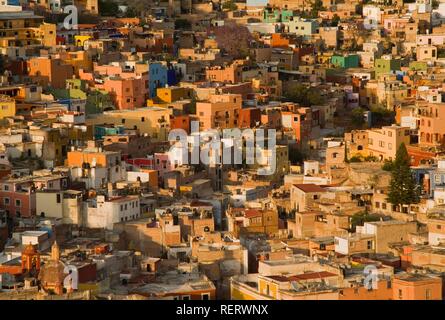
pixel 230 5
pixel 108 8
pixel 182 24
pixel 403 188
pixel 304 95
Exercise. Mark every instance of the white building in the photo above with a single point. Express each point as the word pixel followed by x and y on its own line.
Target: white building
pixel 372 16
pixel 104 213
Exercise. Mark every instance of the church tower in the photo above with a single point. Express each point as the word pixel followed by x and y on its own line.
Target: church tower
pixel 30 259
pixel 55 252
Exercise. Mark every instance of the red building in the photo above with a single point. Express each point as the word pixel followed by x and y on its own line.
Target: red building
pixel 180 122
pixel 249 117
pixel 17 197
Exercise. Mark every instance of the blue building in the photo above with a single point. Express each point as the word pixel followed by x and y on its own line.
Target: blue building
pixel 172 79
pixel 157 77
pixel 430 177
pixel 257 3
pixel 104 130
pixel 13 2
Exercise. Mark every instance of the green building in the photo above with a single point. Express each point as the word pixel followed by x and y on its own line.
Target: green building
pixel 345 61
pixel 276 15
pixel 386 64
pixel 97 101
pixel 418 66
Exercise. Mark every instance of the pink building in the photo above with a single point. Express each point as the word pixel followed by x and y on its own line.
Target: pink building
pixel 18 197
pixel 127 93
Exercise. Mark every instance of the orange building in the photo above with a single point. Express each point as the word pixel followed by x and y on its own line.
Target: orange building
pixel 249 117
pixel 92 156
pixel 278 41
pixel 383 291
pixel 221 111
pixel 417 287
pixel 127 93
pixel 152 177
pixel 230 74
pixel 79 60
pixel 431 129
pixel 48 71
pixel 180 122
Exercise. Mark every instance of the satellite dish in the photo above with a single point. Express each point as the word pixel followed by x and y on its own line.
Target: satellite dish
pixel 295 285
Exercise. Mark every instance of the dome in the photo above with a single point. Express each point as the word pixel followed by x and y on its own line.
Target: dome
pixel 51 274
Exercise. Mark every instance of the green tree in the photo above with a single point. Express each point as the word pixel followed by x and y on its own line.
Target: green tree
pixel 335 20
pixel 357 117
pixel 359 219
pixel 304 95
pixel 388 165
pixel 295 155
pixel 108 8
pixel 403 189
pixel 131 12
pixel 317 6
pixel 230 5
pixel 182 24
pixel 382 116
pixel 356 159
pixel 2 63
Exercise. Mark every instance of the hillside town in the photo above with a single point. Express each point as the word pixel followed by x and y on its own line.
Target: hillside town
pixel 222 150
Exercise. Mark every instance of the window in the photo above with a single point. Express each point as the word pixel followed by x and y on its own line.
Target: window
pixel 18 203
pixel 383 205
pixel 6 187
pixel 205 296
pixel 428 294
pixel 377 205
pixel 6 201
pixel 439 227
pixel 58 198
pixel 185 297
pixel 369 244
pixel 400 294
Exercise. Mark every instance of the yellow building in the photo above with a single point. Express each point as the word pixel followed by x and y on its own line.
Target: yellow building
pixel 170 95
pixel 79 60
pixel 79 40
pixel 285 287
pixel 151 120
pixel 24 28
pixel 7 107
pixel 383 143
